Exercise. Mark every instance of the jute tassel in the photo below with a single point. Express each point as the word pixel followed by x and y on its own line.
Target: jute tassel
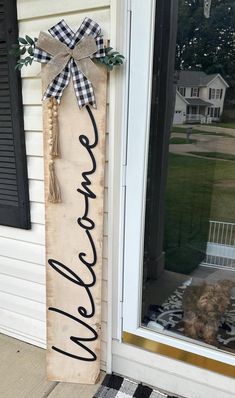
pixel 54 194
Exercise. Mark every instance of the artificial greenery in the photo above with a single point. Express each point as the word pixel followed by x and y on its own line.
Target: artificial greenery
pixel 25 46
pixel 111 59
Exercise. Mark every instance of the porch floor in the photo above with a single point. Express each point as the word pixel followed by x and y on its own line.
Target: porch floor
pixel 23 374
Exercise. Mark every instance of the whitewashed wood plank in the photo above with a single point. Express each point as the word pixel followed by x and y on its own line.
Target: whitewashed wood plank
pixel 33 118
pixel 37 213
pixel 25 307
pixel 24 326
pixel 35 235
pixel 35 168
pixel 32 91
pixel 22 250
pixel 75 390
pixel 33 27
pixel 57 327
pixel 22 288
pixel 36 191
pixel 34 143
pixel 23 270
pixel 41 8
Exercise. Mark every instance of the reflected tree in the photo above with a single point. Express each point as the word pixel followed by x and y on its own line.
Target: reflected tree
pixel 207 44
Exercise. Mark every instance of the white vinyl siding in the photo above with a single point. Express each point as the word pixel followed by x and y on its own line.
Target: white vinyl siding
pixel 22 252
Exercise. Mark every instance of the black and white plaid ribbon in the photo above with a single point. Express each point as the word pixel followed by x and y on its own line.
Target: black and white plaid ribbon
pixel 83 87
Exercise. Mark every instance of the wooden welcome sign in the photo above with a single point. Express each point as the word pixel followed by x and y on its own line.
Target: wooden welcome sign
pixel 74 230
pixel 74 153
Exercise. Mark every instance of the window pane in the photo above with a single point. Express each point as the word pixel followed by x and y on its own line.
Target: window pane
pixel 189 245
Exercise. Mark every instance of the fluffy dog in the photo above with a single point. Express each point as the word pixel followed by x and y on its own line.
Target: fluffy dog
pixel 203 307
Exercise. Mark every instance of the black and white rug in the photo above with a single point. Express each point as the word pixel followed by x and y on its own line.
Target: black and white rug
pixel 170 313
pixel 119 387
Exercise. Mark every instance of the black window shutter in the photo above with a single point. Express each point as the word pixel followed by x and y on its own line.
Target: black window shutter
pixel 210 93
pixel 14 197
pixel 191 92
pixel 198 92
pixel 221 93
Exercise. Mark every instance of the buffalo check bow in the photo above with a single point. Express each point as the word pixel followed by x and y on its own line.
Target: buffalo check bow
pixel 68 54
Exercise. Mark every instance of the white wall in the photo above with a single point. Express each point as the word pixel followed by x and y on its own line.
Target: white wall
pixel 22 259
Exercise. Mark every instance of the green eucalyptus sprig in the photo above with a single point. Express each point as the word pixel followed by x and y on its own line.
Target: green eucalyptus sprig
pixel 111 59
pixel 26 45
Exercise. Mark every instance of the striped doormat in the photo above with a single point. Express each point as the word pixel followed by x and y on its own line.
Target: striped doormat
pixel 119 387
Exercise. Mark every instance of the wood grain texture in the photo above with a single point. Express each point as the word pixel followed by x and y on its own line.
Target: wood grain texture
pixel 65 239
pixel 73 390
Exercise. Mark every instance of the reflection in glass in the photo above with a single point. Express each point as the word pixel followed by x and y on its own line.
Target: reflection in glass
pixel 189 288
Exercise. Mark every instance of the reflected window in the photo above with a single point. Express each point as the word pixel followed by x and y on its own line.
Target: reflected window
pixel 195 92
pixel 182 91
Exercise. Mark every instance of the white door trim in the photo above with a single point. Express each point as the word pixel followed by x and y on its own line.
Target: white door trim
pixel 143 17
pixel 174 377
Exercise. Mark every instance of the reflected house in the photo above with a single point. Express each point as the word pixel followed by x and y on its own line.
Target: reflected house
pixel 199 97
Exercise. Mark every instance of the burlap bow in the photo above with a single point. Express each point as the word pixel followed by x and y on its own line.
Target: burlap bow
pixel 61 55
pixel 69 54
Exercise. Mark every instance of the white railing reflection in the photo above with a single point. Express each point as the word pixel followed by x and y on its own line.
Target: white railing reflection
pixel 202 119
pixel 220 251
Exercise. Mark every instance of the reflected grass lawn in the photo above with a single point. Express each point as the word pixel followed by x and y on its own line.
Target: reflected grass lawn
pixel 179 140
pixel 215 155
pixel 198 190
pixel 225 125
pixel 196 131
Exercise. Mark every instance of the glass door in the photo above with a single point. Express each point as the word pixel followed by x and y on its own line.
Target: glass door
pixel 179 278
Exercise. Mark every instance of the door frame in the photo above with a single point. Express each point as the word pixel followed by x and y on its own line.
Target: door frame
pixel 138 119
